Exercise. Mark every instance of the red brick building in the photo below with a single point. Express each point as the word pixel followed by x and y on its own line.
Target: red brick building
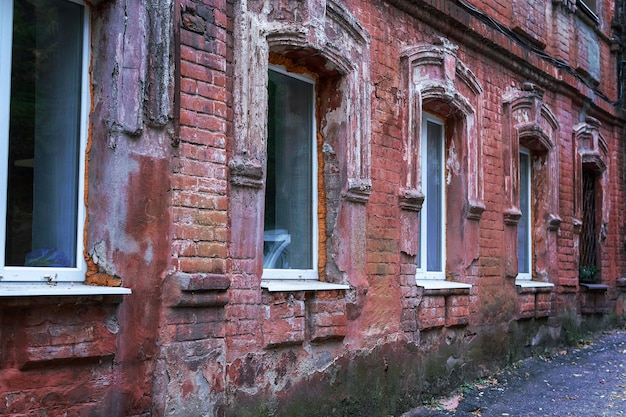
pixel 301 208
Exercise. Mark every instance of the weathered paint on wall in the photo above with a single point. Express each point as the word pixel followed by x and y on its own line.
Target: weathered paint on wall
pixel 175 198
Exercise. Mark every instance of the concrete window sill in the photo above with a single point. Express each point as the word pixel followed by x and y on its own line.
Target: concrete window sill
pixel 533 284
pixel 292 285
pixel 441 287
pixel 594 287
pixel 436 284
pixel 528 286
pixel 35 289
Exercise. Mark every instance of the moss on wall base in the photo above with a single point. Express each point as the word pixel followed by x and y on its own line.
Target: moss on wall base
pixel 394 377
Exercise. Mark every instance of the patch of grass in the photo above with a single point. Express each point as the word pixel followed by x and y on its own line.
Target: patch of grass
pixel 466 388
pixel 433 403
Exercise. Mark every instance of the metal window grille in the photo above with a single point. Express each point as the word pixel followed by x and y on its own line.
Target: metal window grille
pixel 589 235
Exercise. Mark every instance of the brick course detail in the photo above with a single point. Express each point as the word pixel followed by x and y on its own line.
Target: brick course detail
pixel 177 170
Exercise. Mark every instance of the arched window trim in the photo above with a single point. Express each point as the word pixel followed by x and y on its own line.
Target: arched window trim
pixel 246 165
pixel 436 81
pixel 592 151
pixel 443 84
pixel 328 35
pixel 528 122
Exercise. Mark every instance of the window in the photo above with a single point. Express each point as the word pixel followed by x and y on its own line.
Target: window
pixel 588 5
pixel 588 264
pixel 591 200
pixel 431 254
pixel 290 220
pixel 531 179
pixel 43 113
pixel 524 226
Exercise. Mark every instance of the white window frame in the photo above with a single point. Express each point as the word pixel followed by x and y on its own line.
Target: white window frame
pixel 303 274
pixel 422 270
pixel 526 177
pixel 40 274
pixel 41 281
pixel 586 7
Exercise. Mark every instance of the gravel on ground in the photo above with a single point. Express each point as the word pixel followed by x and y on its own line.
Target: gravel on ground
pixel 588 380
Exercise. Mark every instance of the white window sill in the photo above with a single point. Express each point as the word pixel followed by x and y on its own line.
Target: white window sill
pixel 439 284
pixel 30 289
pixel 276 285
pixel 532 284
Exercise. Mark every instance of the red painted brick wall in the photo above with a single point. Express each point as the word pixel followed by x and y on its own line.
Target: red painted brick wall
pixel 386 303
pixel 175 203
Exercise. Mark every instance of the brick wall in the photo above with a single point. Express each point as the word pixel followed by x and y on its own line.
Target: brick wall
pixel 56 355
pixel 193 341
pixel 175 203
pixel 383 301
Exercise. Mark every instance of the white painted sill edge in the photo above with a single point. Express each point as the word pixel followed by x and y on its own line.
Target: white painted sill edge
pixel 532 284
pixel 31 289
pixel 438 284
pixel 286 285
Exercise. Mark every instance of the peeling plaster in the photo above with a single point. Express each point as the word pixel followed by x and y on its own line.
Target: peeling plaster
pixel 328 149
pixel 112 324
pixel 98 255
pixel 453 166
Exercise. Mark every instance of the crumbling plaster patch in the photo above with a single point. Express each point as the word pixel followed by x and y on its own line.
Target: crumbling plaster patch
pixel 98 255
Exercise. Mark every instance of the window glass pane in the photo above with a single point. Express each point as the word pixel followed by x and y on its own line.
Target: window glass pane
pixel 524 225
pixel 44 134
pixel 434 196
pixel 591 4
pixel 288 222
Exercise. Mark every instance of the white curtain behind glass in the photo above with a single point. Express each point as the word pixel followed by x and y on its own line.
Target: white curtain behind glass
pixel 289 194
pixel 57 122
pixel 434 196
pixel 523 226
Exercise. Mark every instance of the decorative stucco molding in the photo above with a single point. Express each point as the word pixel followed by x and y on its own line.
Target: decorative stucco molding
pixel 246 172
pixel 567 5
pixel 591 145
pixel 529 122
pixel 325 41
pixel 341 42
pixel 436 79
pixel 591 153
pixel 411 199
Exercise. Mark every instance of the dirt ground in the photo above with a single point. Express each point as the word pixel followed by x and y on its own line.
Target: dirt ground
pixel 588 380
